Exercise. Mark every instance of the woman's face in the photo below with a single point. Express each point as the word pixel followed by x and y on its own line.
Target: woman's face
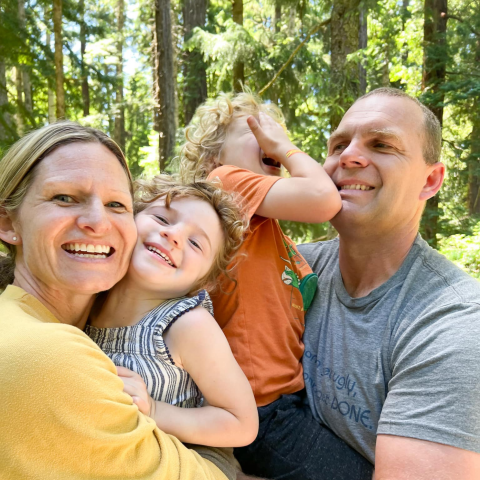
pixel 75 225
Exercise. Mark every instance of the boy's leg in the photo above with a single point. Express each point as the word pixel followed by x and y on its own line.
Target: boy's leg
pixel 292 445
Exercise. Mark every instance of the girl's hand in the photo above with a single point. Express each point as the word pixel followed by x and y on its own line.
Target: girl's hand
pixel 134 385
pixel 271 136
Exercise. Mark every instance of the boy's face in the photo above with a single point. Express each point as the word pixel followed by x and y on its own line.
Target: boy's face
pixel 241 149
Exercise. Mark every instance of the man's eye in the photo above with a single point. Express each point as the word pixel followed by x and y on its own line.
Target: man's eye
pixel 381 145
pixel 338 148
pixel 195 244
pixel 162 219
pixel 63 198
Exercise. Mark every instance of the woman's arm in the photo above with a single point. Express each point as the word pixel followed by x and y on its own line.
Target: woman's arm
pixel 309 195
pixel 230 418
pixel 65 416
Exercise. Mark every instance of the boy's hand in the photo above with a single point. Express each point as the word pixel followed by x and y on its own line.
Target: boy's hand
pixel 134 385
pixel 271 136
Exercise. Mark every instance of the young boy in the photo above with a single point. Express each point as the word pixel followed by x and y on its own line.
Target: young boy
pixel 243 142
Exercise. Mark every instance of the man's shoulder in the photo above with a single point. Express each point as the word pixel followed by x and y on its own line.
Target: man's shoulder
pixel 319 254
pixel 433 275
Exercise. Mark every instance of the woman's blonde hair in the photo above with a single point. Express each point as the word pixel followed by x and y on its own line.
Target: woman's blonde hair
pixel 207 131
pixel 228 210
pixel 18 166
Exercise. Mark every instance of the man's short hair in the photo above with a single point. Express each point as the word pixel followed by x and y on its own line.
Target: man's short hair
pixel 432 146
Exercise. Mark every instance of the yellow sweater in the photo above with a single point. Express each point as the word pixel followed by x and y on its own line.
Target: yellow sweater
pixel 63 412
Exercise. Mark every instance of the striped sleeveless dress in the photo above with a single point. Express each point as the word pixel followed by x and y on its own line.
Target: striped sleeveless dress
pixel 141 348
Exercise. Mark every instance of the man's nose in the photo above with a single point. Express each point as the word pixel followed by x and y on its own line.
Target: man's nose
pixel 354 156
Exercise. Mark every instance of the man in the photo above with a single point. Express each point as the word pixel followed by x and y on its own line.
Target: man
pixel 392 356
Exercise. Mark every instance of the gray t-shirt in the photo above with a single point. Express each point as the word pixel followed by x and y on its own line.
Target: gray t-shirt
pixel 404 360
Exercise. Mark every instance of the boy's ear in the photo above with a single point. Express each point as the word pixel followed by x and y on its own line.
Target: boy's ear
pixel 7 230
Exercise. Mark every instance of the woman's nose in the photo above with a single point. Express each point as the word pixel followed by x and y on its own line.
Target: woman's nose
pixel 94 218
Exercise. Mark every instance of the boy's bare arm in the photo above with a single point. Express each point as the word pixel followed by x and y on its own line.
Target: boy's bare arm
pixel 309 195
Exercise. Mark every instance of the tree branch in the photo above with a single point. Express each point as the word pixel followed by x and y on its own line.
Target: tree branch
pixel 314 30
pixel 461 20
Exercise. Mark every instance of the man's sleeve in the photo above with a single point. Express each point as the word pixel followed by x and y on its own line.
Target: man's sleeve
pixel 70 419
pixel 252 187
pixel 433 394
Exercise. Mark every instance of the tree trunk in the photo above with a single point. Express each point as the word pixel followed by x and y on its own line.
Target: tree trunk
pixel 27 84
pixel 434 66
pixel 119 134
pixel 362 44
pixel 405 16
pixel 5 121
pixel 19 116
pixel 473 160
pixel 84 68
pixel 164 92
pixel 238 66
pixel 344 82
pixel 277 16
pixel 194 68
pixel 57 30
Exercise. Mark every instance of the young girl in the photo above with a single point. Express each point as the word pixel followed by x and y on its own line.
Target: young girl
pixel 157 326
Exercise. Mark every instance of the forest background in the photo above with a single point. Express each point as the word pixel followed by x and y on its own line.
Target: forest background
pixel 138 70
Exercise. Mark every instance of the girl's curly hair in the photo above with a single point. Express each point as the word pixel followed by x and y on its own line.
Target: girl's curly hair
pixel 207 131
pixel 227 208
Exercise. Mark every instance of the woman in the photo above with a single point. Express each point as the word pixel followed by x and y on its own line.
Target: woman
pixel 66 220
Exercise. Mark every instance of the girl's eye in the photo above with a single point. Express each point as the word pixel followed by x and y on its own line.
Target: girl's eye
pixel 63 198
pixel 162 219
pixel 195 244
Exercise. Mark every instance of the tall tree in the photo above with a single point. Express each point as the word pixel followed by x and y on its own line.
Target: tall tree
pixel 119 134
pixel 194 68
pixel 20 114
pixel 164 91
pixel 26 83
pixel 473 160
pixel 59 77
pixel 5 125
pixel 362 44
pixel 239 65
pixel 434 67
pixel 84 68
pixel 344 82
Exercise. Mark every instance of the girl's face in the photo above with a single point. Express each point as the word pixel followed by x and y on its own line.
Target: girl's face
pixel 176 246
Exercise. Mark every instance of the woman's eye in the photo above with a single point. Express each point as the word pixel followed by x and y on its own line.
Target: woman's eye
pixel 63 198
pixel 162 219
pixel 195 244
pixel 115 205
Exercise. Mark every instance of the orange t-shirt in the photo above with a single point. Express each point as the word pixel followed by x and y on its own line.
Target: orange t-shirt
pixel 263 316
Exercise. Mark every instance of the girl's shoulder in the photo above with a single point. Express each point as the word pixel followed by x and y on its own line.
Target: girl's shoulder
pixel 171 310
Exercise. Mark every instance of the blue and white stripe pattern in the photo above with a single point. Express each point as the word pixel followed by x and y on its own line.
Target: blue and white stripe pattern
pixel 141 348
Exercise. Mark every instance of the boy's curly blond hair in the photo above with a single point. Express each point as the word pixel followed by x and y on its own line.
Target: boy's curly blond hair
pixel 207 131
pixel 228 210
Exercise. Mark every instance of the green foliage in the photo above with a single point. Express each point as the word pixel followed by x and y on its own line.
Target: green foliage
pixel 464 251
pixel 271 31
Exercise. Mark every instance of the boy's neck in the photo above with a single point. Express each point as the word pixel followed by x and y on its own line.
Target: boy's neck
pixel 124 305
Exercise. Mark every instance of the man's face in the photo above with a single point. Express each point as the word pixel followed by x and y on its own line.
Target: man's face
pixel 375 159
